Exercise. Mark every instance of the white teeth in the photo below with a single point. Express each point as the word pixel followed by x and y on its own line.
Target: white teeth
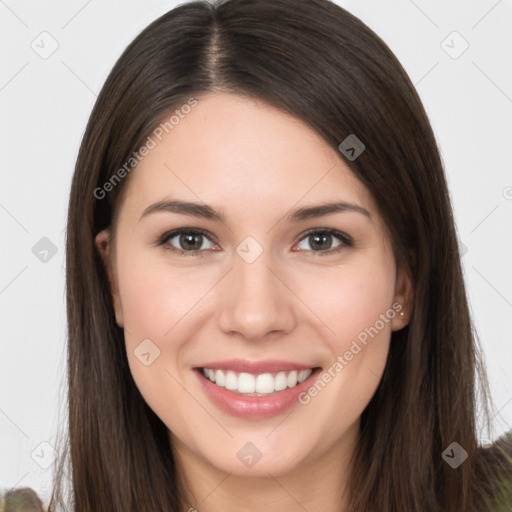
pixel 246 383
pixel 258 385
pixel 280 381
pixel 219 378
pixel 292 379
pixel 303 375
pixel 264 383
pixel 231 381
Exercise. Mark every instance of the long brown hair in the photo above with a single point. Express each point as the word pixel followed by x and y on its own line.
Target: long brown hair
pixel 315 60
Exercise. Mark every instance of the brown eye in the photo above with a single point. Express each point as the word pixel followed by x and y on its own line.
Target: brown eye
pixel 320 242
pixel 186 241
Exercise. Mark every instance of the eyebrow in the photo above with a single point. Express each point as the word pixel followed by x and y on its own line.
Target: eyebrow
pixel 203 211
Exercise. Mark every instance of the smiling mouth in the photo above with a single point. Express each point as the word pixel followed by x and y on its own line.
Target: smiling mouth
pixel 262 384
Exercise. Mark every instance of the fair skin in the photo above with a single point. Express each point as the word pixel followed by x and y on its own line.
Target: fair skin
pixel 256 165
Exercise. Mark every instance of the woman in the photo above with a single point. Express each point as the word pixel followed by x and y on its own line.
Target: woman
pixel 266 306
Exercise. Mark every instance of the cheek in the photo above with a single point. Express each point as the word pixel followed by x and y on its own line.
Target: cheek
pixel 161 302
pixel 156 296
pixel 158 303
pixel 356 307
pixel 349 300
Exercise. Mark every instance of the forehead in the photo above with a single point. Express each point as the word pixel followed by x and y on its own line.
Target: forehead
pixel 239 151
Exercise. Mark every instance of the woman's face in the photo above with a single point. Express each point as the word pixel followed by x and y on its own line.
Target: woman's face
pixel 265 284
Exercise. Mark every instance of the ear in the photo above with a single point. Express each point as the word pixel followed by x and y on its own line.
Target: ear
pixel 103 243
pixel 403 300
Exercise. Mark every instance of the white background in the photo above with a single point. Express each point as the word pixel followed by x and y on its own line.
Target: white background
pixel 44 107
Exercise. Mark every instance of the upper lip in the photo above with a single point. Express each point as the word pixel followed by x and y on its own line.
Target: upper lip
pixel 247 366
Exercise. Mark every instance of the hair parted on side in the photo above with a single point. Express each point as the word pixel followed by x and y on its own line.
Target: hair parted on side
pixel 318 62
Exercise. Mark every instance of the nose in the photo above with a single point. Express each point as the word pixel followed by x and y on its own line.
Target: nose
pixel 256 300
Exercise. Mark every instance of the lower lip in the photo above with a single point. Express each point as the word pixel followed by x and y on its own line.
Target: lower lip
pixel 254 407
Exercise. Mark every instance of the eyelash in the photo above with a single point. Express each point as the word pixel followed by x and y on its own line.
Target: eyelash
pixel 346 241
